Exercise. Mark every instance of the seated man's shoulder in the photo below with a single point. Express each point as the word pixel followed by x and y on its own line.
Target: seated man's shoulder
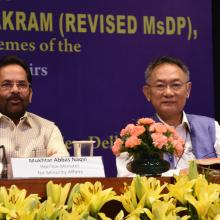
pixel 200 117
pixel 39 119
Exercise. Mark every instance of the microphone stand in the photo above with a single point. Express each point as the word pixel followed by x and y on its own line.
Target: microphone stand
pixel 4 173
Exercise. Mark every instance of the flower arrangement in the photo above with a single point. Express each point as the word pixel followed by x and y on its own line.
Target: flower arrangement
pixel 83 201
pixel 190 196
pixel 148 137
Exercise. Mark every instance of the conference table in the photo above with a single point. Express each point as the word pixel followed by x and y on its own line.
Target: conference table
pixel 38 186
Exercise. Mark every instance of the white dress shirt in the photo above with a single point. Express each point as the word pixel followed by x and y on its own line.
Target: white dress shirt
pixel 32 137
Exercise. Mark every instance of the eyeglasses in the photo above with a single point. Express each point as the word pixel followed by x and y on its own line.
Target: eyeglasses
pixel 8 85
pixel 175 86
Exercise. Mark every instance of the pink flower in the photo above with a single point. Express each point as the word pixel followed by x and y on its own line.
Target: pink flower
pixel 145 121
pixel 127 130
pixel 132 142
pixel 137 130
pixel 133 130
pixel 178 147
pixel 170 139
pixel 116 147
pixel 158 127
pixel 170 129
pixel 123 132
pixel 163 137
pixel 159 140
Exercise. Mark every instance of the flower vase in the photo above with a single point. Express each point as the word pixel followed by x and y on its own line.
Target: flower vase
pixel 148 164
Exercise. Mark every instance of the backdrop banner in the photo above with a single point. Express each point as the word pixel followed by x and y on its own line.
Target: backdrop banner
pixel 88 60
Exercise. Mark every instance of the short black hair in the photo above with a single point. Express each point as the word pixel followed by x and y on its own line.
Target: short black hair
pixel 12 59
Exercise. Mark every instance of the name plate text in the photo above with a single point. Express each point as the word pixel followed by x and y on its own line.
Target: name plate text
pixel 57 167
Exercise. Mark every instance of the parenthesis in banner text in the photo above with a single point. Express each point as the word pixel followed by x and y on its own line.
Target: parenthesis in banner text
pixel 189 28
pixel 61 25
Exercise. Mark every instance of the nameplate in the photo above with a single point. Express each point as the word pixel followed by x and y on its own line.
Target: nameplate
pixel 57 167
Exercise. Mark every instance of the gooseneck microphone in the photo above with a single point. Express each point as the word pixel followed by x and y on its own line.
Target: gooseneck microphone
pixel 4 172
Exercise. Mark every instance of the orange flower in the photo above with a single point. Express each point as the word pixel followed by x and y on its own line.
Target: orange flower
pixel 159 140
pixel 150 136
pixel 158 127
pixel 170 129
pixel 127 130
pixel 137 130
pixel 178 147
pixel 116 147
pixel 133 130
pixel 132 142
pixel 145 121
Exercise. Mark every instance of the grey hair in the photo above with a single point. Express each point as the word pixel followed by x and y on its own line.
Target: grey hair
pixel 166 59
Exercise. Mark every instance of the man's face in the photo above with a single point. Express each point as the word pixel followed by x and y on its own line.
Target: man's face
pixel 15 92
pixel 167 90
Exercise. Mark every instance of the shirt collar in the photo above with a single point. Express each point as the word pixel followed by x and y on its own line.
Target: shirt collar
pixel 184 123
pixel 4 117
pixel 1 115
pixel 26 118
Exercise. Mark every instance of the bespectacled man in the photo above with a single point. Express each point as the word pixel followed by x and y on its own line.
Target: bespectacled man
pixel 167 87
pixel 22 133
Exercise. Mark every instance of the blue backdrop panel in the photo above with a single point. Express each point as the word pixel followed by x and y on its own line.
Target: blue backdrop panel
pixel 88 59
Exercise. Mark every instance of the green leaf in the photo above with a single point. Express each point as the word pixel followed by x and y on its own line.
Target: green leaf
pixel 193 170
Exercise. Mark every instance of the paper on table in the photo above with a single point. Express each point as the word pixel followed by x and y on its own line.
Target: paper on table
pixel 171 172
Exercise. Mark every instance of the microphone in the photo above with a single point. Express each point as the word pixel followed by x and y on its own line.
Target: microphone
pixel 4 172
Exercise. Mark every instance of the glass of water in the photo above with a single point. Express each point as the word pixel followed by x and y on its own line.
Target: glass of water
pixel 83 148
